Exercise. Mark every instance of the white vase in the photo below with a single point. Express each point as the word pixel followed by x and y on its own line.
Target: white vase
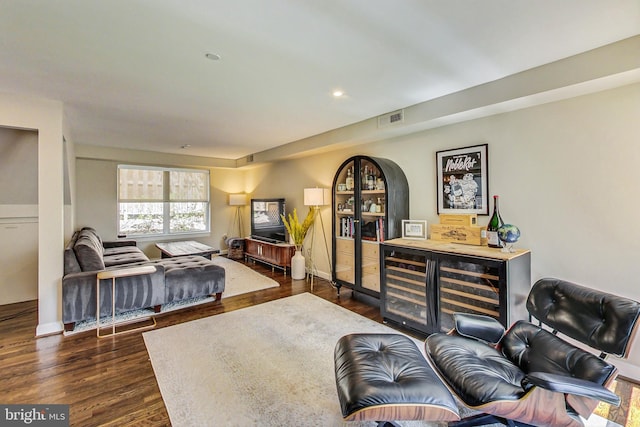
pixel 298 266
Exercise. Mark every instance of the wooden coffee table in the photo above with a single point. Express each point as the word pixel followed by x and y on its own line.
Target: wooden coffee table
pixel 186 248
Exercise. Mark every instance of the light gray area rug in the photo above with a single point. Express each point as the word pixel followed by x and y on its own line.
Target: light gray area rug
pixel 266 365
pixel 239 279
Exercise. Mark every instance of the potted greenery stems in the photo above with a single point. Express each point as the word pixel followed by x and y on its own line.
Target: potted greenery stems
pixel 297 232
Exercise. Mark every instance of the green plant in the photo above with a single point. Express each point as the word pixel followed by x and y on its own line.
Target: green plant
pixel 298 230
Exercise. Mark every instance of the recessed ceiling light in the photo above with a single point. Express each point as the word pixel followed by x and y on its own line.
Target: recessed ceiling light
pixel 338 93
pixel 213 56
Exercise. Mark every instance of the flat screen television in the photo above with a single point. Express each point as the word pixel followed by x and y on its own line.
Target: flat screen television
pixel 266 222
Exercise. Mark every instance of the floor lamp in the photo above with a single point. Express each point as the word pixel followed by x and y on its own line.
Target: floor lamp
pixel 315 198
pixel 237 200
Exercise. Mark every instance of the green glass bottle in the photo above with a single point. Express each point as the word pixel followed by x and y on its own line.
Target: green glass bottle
pixel 494 223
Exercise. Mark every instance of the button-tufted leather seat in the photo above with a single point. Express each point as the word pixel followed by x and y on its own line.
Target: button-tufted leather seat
pixel 533 376
pixel 600 320
pixel 384 377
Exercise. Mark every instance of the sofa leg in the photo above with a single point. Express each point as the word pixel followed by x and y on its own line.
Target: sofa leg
pixel 218 296
pixel 68 327
pixel 157 308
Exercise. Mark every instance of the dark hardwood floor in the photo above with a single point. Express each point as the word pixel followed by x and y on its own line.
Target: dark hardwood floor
pixel 110 381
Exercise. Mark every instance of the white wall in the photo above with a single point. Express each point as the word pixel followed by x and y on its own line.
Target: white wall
pixel 69 190
pixel 18 167
pixel 96 189
pixel 18 215
pixel 565 172
pixel 45 116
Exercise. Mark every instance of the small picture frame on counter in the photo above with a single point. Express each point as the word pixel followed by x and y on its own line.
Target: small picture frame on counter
pixel 414 229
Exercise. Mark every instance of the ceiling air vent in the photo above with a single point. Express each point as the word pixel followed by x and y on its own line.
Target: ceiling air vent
pixel 392 118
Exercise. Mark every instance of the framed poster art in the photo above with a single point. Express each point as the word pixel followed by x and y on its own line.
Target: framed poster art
pixel 463 180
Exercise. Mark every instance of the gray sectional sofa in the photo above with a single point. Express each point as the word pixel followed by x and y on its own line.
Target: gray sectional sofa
pixel 175 279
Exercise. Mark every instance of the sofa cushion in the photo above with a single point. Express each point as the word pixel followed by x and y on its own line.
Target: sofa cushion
pixel 121 250
pixel 92 236
pixel 122 255
pixel 89 231
pixel 71 264
pixel 88 250
pixel 124 258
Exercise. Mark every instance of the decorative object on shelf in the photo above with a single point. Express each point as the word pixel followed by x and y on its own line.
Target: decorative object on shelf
pixel 508 234
pixel 458 228
pixel 463 234
pixel 297 232
pixel 462 180
pixel 237 200
pixel 412 229
pixel 349 183
pixel 315 198
pixel 458 219
pixel 493 241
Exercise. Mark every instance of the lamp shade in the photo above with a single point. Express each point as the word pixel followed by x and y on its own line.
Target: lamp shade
pixel 317 196
pixel 237 199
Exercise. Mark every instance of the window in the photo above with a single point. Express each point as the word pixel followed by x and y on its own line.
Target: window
pixel 155 201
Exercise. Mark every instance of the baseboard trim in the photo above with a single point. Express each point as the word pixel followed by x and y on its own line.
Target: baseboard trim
pixel 51 328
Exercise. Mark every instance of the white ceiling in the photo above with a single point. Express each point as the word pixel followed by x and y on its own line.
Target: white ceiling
pixel 133 73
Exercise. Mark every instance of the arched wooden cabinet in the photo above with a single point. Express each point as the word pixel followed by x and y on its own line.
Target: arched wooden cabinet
pixel 370 200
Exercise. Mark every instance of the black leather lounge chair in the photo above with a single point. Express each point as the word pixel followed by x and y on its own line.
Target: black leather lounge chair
pixel 529 375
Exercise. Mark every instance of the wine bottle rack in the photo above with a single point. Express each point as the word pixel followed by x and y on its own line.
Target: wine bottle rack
pixel 425 282
pixel 406 283
pixel 469 287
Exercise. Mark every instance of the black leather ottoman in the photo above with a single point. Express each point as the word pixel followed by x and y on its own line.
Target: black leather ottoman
pixel 384 377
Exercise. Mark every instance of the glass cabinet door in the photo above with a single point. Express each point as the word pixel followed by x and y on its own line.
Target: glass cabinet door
pixel 406 281
pixel 372 222
pixel 362 220
pixel 470 285
pixel 344 223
